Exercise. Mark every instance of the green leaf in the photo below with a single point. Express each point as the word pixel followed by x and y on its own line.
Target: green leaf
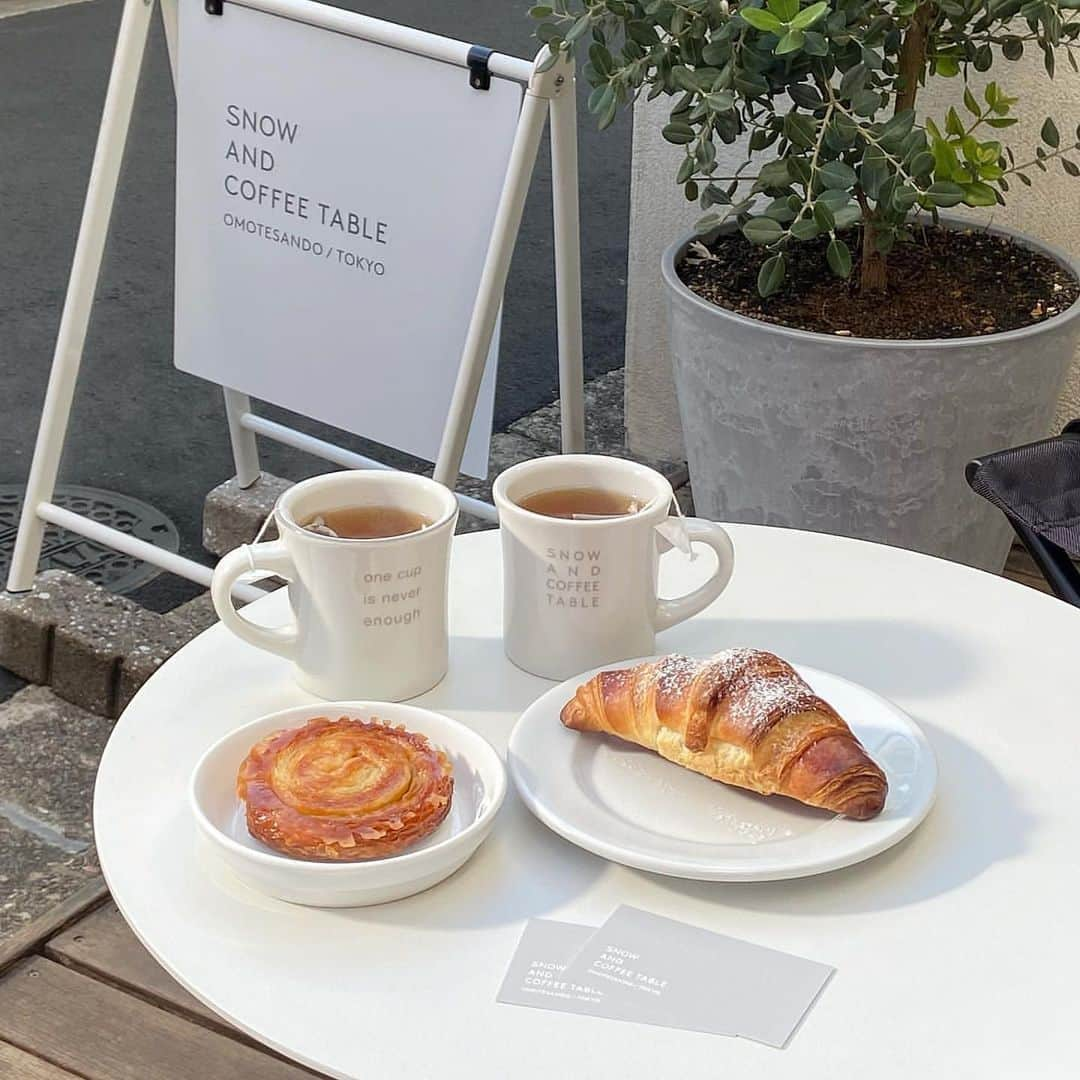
pixel 814 44
pixel 854 80
pixel 904 198
pixel 599 98
pixel 791 42
pixel 580 28
pixel 848 215
pixel 771 275
pixel 607 116
pixel 837 174
pixel 824 217
pixel 865 103
pixel 809 15
pixel 784 10
pixel 1069 167
pixel 774 174
pixel 541 11
pixel 922 164
pixel 804 229
pixel 601 59
pixel 946 66
pixel 761 20
pixel 1049 134
pixel 779 210
pixel 800 130
pixel 1002 121
pixel 1012 48
pixel 873 172
pixel 678 133
pixel 953 124
pixel 835 198
pixel 686 170
pixel 721 101
pixel 838 256
pixel 643 33
pixel 805 95
pixel 762 230
pixel 899 126
pixel 970 103
pixel 945 193
pixel 979 194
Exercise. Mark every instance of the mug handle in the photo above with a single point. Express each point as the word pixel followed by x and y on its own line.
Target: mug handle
pixel 670 612
pixel 270 556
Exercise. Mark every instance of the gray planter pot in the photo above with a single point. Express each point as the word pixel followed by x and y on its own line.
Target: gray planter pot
pixel 858 436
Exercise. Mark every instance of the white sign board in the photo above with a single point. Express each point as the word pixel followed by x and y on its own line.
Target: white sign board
pixel 334 203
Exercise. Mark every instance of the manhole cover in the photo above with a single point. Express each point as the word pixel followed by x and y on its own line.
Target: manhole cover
pixel 64 550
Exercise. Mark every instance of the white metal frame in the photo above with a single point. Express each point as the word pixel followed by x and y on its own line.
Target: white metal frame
pixel 548 93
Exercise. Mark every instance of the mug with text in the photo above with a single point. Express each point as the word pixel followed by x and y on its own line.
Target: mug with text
pixel 580 562
pixel 366 555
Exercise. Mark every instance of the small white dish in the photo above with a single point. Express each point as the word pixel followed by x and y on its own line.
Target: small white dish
pixel 479 789
pixel 632 806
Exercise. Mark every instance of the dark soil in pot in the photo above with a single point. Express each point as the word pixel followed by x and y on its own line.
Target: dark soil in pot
pixel 947 283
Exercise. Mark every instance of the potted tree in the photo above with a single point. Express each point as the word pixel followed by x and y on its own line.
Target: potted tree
pixel 841 349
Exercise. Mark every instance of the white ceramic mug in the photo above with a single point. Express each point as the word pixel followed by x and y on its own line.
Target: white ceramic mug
pixel 369 615
pixel 581 593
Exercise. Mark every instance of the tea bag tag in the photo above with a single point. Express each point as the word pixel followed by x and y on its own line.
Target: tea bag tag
pixel 673 530
pixel 247 548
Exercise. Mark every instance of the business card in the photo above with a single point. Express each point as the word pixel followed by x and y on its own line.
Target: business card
pixel 535 976
pixel 655 970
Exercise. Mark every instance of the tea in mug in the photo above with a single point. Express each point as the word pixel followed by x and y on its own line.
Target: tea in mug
pixel 580 503
pixel 366 522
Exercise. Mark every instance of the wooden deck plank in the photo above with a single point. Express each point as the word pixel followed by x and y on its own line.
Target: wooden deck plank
pixel 103 945
pixel 16 1064
pixel 101 1033
pixel 29 937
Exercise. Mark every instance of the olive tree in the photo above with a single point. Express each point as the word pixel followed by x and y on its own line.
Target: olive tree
pixel 825 92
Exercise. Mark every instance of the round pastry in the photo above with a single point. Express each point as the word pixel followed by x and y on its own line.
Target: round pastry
pixel 344 790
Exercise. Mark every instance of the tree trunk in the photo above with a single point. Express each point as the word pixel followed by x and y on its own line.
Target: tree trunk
pixel 912 57
pixel 873 275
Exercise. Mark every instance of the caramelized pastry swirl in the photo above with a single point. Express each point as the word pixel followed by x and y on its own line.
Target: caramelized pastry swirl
pixel 344 790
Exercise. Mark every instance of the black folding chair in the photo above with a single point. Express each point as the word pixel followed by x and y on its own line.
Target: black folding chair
pixel 1037 487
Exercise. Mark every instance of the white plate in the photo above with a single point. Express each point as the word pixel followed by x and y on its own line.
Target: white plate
pixel 479 788
pixel 632 806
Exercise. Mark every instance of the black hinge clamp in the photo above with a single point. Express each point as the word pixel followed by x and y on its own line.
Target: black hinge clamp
pixel 213 7
pixel 479 72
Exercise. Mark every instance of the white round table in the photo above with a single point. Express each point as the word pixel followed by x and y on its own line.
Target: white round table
pixel 956 952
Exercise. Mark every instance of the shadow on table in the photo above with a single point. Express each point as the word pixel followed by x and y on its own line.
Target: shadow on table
pixel 909 660
pixel 495 874
pixel 975 823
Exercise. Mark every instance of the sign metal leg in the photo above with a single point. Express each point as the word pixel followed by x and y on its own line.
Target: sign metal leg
pixel 101 191
pixel 245 446
pixel 564 187
pixel 556 83
pixel 530 130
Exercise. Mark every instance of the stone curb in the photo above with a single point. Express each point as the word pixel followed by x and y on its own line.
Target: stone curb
pixel 94 647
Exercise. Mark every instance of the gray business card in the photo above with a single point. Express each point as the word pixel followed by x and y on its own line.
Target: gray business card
pixel 646 969
pixel 658 971
pixel 535 975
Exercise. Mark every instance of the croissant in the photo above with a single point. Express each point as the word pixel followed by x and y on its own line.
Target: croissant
pixel 743 717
